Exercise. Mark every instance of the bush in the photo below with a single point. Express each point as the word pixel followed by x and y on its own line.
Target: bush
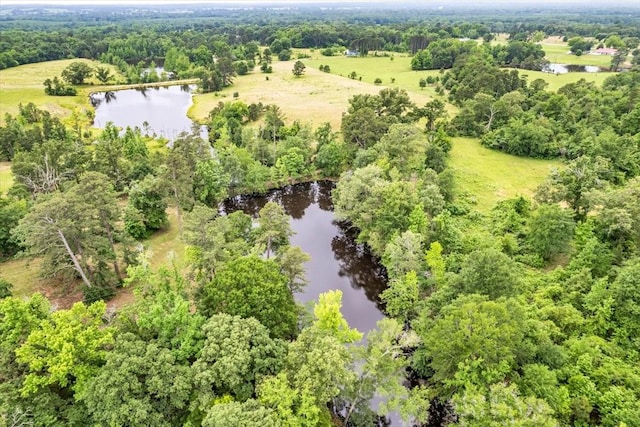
pixel 5 288
pixel 327 52
pixel 378 81
pixel 97 293
pixel 284 55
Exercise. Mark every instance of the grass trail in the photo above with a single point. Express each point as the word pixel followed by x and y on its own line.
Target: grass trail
pixel 6 177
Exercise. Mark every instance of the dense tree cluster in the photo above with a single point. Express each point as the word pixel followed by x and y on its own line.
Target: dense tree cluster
pixel 580 119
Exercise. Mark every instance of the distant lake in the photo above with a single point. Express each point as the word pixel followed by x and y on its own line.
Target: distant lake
pixel 155 110
pixel 570 68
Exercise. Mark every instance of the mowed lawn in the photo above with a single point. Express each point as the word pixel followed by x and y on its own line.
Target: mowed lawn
pixel 315 97
pixel 23 84
pixel 556 81
pixel 489 176
pixel 559 53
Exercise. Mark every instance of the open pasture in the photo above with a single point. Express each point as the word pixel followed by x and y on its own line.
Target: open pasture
pixel 315 97
pixel 489 176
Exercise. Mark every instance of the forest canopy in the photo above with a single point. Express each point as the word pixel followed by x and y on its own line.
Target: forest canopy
pixel 521 313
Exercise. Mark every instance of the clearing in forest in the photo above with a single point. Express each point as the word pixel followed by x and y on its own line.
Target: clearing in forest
pixel 489 176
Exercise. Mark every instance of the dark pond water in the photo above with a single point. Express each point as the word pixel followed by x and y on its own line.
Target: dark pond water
pixel 159 110
pixel 337 260
pixel 570 68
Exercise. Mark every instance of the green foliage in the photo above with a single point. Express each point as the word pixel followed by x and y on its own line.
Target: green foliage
pixel 249 414
pixel 162 312
pixel 146 198
pixel 274 229
pixel 11 211
pixel 252 287
pixel 503 406
pixel 477 337
pixel 332 158
pixel 298 68
pixel 236 354
pixel 71 229
pixel 488 272
pixel 401 297
pixel 328 318
pixel 550 231
pixel 140 384
pixel 572 183
pixel 579 44
pixel 57 87
pixel 76 73
pixel 66 350
pixel 403 254
pixel 103 74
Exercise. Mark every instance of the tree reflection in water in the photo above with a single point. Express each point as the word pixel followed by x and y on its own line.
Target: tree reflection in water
pixel 358 264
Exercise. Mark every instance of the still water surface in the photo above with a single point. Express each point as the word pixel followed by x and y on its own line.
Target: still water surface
pixel 159 110
pixel 570 68
pixel 337 260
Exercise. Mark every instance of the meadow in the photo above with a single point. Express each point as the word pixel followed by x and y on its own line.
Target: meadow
pixel 559 53
pixel 486 176
pixel 315 97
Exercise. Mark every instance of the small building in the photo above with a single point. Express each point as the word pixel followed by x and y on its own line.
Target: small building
pixel 604 51
pixel 350 52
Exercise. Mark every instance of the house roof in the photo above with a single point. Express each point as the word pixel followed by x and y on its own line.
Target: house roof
pixel 605 51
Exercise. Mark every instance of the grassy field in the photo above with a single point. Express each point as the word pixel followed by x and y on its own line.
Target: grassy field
pixel 559 53
pixel 489 176
pixel 556 81
pixel 23 84
pixel 316 97
pixel 6 178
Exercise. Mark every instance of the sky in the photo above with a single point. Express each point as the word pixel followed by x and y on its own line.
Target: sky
pixel 178 2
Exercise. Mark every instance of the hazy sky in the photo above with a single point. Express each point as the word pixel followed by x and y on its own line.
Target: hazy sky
pixel 425 2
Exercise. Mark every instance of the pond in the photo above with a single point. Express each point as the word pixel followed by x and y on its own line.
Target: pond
pixel 155 110
pixel 570 68
pixel 337 260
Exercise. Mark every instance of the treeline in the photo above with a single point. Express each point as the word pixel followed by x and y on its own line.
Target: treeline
pixel 133 41
pixel 522 118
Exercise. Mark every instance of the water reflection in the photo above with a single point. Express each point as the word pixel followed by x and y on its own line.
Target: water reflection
pixel 161 111
pixel 363 270
pixel 337 260
pixel 570 68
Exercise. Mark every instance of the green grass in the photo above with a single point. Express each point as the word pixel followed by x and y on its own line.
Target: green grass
pixel 318 97
pixel 23 84
pixel 559 53
pixel 6 177
pixel 489 176
pixel 556 81
pixel 166 246
pixel 23 274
